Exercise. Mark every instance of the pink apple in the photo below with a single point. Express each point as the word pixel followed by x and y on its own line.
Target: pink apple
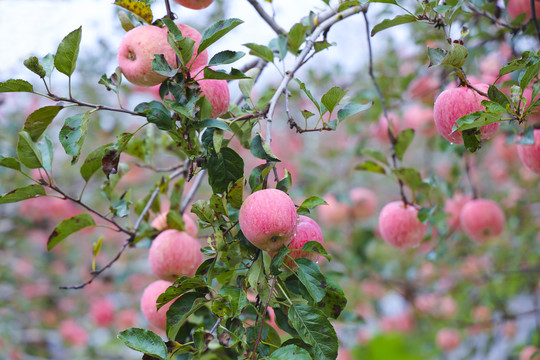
pixel 126 318
pixel 403 323
pixel 268 219
pixel 174 254
pixel 156 317
pixel 139 45
pixel 482 219
pixel 73 333
pixel 423 88
pixel 481 314
pixel 306 230
pixel 335 212
pixel 453 207
pixel 195 4
pixel 399 225
pixel 216 92
pixel 516 7
pixel 528 352
pixel 160 223
pixel 102 312
pixel 364 202
pixel 454 103
pixel 448 339
pixel 379 130
pixel 530 154
pixel 509 329
pixel 420 119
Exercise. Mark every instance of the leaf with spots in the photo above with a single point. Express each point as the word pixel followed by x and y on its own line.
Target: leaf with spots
pixel 139 8
pixel 73 133
pixel 68 227
pixel 290 352
pixel 23 193
pixel 311 277
pixel 334 301
pixel 39 120
pixel 181 309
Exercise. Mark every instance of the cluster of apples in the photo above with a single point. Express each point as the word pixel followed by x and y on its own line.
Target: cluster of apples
pixel 173 254
pixel 139 46
pixel 268 219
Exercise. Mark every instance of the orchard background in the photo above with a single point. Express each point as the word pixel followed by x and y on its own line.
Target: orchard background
pixel 89 161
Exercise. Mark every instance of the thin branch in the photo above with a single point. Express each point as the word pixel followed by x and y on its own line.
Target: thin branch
pixel 534 19
pixel 391 136
pixel 274 280
pixel 469 177
pixel 97 107
pixel 170 14
pixel 193 190
pixel 169 169
pixel 215 325
pixel 492 18
pixel 269 20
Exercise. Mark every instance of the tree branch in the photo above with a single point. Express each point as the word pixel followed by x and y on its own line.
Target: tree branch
pixel 269 20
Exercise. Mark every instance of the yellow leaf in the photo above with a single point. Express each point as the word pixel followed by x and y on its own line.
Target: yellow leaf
pixel 97 248
pixel 138 8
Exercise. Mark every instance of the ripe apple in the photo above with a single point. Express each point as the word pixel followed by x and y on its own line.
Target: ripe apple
pixel 195 4
pixel 73 333
pixel 160 223
pixel 306 230
pixel 268 219
pixel 448 339
pixel 217 92
pixel 420 119
pixel 482 219
pixel 399 225
pixel 139 45
pixel 102 312
pixel 454 103
pixel 156 317
pixel 453 207
pixel 335 212
pixel 528 352
pixel 364 202
pixel 516 7
pixel 174 254
pixel 530 154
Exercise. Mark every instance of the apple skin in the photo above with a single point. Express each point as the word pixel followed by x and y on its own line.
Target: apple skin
pixel 454 103
pixel 73 333
pixel 194 4
pixel 399 225
pixel 268 219
pixel 160 223
pixel 482 219
pixel 102 312
pixel 516 7
pixel 453 208
pixel 139 45
pixel 158 318
pixel 530 154
pixel 364 202
pixel 448 339
pixel 528 352
pixel 217 92
pixel 306 230
pixel 335 212
pixel 174 254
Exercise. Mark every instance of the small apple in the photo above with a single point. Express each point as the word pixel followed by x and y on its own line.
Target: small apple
pixel 216 92
pixel 73 333
pixel 482 219
pixel 530 154
pixel 399 225
pixel 174 254
pixel 268 219
pixel 156 317
pixel 364 202
pixel 453 207
pixel 195 4
pixel 454 103
pixel 306 230
pixel 448 339
pixel 102 312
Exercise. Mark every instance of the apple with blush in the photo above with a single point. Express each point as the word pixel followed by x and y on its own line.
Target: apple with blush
pixel 530 154
pixel 148 304
pixel 195 4
pixel 482 219
pixel 399 225
pixel 448 339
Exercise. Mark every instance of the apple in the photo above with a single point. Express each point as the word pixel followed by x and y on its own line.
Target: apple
pixel 335 212
pixel 268 219
pixel 379 130
pixel 448 339
pixel 454 103
pixel 364 202
pixel 528 352
pixel 420 119
pixel 482 219
pixel 530 154
pixel 516 7
pixel 102 312
pixel 139 45
pixel 453 207
pixel 174 254
pixel 160 223
pixel 215 91
pixel 306 230
pixel 509 329
pixel 156 317
pixel 423 88
pixel 195 4
pixel 399 225
pixel 73 333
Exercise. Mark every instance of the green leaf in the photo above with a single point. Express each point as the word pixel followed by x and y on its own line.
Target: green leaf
pixel 68 227
pixel 144 341
pixel 38 121
pixel 310 203
pixel 16 85
pixel 375 154
pixel 308 93
pixel 93 162
pixel 475 120
pixel 436 56
pixel 258 174
pixel 162 67
pixel 290 352
pixel 317 248
pixel 45 147
pixel 73 133
pixel 409 176
pixel 223 169
pixel 352 109
pixel 279 46
pixel 515 64
pixel 235 194
pixel 237 298
pixel 226 57
pixel 528 137
pixel 321 45
pixel 530 72
pixel 498 96
pixel 311 277
pixel 65 59
pixel 32 64
pixel 334 301
pixel 371 166
pixel 277 260
pixel 10 162
pixel 332 98
pixel 264 52
pixel 403 141
pixel 456 56
pixel 296 37
pixel 156 113
pixel 261 150
pixel 181 286
pixel 213 123
pixel 314 329
pixel 47 62
pixel 216 31
pixel 184 47
pixel 27 151
pixel 23 193
pixel 388 23
pixel 234 74
pixel 471 139
pixel 181 309
pixel 246 85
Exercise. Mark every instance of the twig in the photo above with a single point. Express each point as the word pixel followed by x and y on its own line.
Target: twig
pixel 215 325
pixel 170 14
pixel 278 29
pixel 391 136
pixel 492 18
pixel 469 177
pixel 193 190
pixel 274 280
pixel 294 125
pixel 534 19
pixel 97 107
pixel 169 169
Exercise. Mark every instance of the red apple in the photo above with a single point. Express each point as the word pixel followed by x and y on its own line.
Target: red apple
pixel 454 103
pixel 528 352
pixel 482 219
pixel 215 91
pixel 364 202
pixel 156 317
pixel 195 4
pixel 174 254
pixel 530 154
pixel 453 207
pixel 399 225
pixel 268 219
pixel 335 212
pixel 160 223
pixel 448 339
pixel 306 230
pixel 516 7
pixel 102 312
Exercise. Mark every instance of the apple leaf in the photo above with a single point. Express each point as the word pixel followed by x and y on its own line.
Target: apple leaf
pixel 45 147
pixel 65 59
pixel 234 74
pixel 181 309
pixel 47 62
pixel 352 109
pixel 138 8
pixel 223 169
pixel 144 341
pixel 371 166
pixel 403 141
pixel 261 51
pixel 388 23
pixel 290 352
pixel 278 46
pixel 38 121
pixel 162 67
pixel 27 151
pixel 156 113
pixel 332 98
pixel 311 277
pixel 475 120
pixel 261 150
pixel 277 260
pixel 16 85
pixel 216 31
pixel 32 64
pixel 73 133
pixel 333 303
pixel 23 193
pixel 93 162
pixel 295 37
pixel 226 57
pixel 68 227
pixel 10 162
pixel 181 286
